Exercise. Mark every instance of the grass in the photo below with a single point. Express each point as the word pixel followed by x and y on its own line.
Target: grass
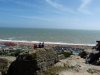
pixel 66 54
pixel 92 71
pixel 54 70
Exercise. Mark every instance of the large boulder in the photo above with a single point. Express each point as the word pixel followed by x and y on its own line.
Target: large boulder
pixel 33 63
pixel 93 58
pixel 23 65
pixel 83 54
pixel 86 52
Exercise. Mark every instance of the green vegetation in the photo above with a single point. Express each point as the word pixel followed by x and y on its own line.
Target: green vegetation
pixel 92 71
pixel 11 53
pixel 66 54
pixel 3 65
pixel 16 53
pixel 54 70
pixel 61 56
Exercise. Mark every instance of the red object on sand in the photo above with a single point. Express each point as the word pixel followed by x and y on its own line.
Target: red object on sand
pixel 10 44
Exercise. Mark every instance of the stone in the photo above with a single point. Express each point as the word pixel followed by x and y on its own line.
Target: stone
pixel 34 63
pixel 94 56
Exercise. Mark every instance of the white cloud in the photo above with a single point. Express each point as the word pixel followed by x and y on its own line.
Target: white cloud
pixel 84 6
pixel 54 4
pixel 58 6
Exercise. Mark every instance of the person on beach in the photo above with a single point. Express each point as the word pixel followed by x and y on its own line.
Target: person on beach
pixel 41 45
pixel 35 46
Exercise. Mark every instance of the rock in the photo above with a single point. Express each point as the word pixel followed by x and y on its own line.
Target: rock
pixel 23 65
pixel 34 63
pixel 93 58
pixel 83 54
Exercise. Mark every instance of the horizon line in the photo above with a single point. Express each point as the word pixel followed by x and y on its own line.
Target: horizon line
pixel 50 28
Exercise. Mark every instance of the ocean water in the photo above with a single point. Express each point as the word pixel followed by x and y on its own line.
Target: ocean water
pixel 51 35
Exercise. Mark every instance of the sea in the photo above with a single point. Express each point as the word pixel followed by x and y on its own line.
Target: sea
pixel 51 35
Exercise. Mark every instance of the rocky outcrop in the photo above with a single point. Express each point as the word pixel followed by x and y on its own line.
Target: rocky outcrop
pixel 23 65
pixel 85 53
pixel 94 56
pixel 34 63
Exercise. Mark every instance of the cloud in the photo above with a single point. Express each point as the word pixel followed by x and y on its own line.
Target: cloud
pixel 84 6
pixel 60 7
pixel 85 3
pixel 54 4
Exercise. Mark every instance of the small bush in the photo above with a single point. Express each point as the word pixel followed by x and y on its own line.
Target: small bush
pixel 91 71
pixel 66 54
pixel 54 70
pixel 3 65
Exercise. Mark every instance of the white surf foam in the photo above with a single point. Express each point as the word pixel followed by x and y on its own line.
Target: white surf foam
pixel 46 42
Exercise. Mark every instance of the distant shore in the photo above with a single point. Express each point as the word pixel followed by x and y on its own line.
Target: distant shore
pixel 45 42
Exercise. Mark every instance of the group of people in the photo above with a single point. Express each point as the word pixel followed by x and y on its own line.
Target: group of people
pixel 40 45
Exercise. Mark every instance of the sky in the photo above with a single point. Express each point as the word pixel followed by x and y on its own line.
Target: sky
pixel 61 14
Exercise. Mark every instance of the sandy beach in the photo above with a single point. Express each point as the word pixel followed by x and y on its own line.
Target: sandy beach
pixel 46 42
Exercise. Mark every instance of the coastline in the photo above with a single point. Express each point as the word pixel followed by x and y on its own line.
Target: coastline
pixel 46 42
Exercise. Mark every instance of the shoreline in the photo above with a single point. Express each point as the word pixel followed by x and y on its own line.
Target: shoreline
pixel 46 42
